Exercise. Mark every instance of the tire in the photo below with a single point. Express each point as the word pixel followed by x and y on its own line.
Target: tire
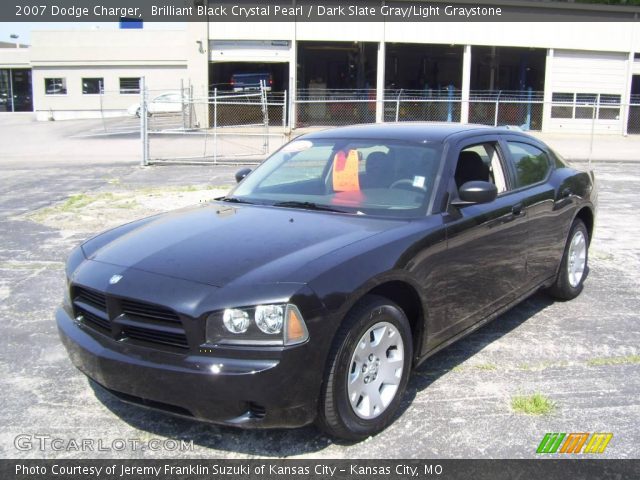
pixel 382 363
pixel 138 113
pixel 574 265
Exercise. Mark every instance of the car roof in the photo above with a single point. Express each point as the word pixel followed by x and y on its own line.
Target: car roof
pixel 408 131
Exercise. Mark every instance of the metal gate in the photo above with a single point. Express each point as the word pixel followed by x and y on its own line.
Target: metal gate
pixel 220 128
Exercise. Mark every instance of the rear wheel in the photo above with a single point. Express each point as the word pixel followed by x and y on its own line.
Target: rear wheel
pixel 368 370
pixel 574 265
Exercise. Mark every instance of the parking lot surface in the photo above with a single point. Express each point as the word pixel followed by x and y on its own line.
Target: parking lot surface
pixel 583 355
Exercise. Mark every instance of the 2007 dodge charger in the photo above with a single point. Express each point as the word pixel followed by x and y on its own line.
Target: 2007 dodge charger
pixel 311 290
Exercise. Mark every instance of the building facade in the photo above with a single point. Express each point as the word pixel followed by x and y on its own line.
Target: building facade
pixel 556 76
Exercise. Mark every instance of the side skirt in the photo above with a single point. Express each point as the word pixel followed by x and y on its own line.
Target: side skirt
pixel 483 322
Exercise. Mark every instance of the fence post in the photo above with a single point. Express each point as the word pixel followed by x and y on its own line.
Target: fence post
pixel 495 117
pixel 527 121
pixel 101 91
pixel 190 105
pixel 215 125
pixel 398 105
pixel 593 131
pixel 265 115
pixel 284 112
pixel 183 105
pixel 144 132
pixel 450 103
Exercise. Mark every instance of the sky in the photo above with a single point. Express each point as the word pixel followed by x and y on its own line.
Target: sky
pixel 24 29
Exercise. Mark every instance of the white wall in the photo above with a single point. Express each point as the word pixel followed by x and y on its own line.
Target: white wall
pixel 601 36
pixel 15 58
pixel 159 56
pixel 108 47
pixel 249 51
pixel 75 104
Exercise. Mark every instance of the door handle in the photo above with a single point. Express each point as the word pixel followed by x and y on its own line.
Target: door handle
pixel 517 209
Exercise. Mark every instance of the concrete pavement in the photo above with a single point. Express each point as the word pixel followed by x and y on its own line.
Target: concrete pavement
pixel 581 354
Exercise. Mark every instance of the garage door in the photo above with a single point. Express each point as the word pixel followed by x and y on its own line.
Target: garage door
pixel 581 79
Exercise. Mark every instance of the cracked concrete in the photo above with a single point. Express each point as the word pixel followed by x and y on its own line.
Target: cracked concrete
pixel 457 404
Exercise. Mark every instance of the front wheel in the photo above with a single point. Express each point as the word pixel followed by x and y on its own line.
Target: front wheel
pixel 368 370
pixel 138 113
pixel 574 265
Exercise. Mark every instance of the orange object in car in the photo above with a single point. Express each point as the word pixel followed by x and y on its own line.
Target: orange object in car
pixel 345 172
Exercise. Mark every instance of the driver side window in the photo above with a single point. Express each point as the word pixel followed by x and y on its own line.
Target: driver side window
pixel 481 162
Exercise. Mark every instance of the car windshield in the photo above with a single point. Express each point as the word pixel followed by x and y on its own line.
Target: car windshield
pixel 364 177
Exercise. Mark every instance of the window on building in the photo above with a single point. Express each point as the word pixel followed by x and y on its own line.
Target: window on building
pixel 584 106
pixel 609 107
pixel 531 164
pixel 130 85
pixel 92 86
pixel 55 86
pixel 5 91
pixel 585 103
pixel 565 110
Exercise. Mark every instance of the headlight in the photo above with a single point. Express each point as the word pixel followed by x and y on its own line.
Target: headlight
pixel 280 324
pixel 270 318
pixel 236 321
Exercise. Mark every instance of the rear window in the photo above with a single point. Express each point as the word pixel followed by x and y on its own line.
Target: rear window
pixel 250 79
pixel 531 164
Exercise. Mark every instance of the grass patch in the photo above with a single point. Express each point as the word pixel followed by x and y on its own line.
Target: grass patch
pixel 528 367
pixel 486 366
pixel 536 404
pixel 76 201
pixel 626 360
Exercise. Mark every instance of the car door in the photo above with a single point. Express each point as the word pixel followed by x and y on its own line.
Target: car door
pixel 530 168
pixel 486 243
pixel 166 103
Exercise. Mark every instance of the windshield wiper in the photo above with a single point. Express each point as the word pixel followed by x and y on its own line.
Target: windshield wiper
pixel 308 206
pixel 234 200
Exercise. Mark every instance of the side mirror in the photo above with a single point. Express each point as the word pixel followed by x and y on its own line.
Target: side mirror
pixel 240 174
pixel 476 192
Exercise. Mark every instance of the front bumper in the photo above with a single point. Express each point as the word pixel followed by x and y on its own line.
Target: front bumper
pixel 281 391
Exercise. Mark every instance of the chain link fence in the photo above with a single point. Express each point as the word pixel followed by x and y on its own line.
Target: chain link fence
pixel 422 105
pixel 245 127
pixel 223 127
pixel 633 118
pixel 326 107
pixel 120 110
pixel 345 107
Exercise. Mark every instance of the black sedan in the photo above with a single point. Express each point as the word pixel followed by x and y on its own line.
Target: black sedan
pixel 343 261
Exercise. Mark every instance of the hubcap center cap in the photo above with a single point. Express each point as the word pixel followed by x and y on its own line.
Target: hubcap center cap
pixel 370 368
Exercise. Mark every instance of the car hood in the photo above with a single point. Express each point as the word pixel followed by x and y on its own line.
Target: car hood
pixel 218 244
